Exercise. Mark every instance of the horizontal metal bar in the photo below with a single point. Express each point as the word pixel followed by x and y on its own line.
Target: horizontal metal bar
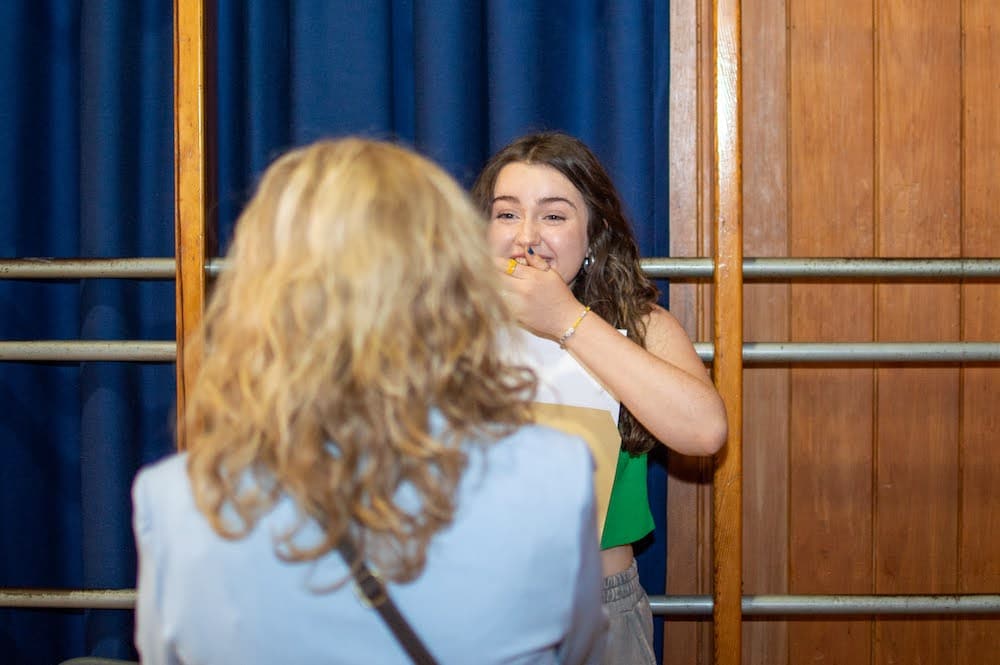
pixel 882 268
pixel 106 599
pixel 134 268
pixel 857 352
pixel 830 268
pixel 753 352
pixel 770 605
pixel 679 267
pixel 762 268
pixel 86 350
pixel 214 267
pixel 759 605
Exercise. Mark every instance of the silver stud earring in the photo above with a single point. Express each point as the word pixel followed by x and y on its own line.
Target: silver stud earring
pixel 587 260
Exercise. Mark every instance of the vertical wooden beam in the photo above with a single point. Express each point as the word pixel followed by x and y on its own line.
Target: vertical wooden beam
pixel 193 183
pixel 727 188
pixel 689 483
pixel 979 421
pixel 766 417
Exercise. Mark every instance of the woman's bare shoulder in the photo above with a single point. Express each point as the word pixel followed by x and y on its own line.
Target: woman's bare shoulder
pixel 667 338
pixel 660 324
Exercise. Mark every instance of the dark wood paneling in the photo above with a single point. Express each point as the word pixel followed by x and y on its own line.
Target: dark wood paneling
pixel 918 213
pixel 831 175
pixel 979 540
pixel 765 400
pixel 689 482
pixel 875 143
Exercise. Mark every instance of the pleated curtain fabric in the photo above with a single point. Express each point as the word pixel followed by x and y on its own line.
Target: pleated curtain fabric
pixel 86 149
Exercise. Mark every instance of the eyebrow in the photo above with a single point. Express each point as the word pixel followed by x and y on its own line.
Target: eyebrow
pixel 542 201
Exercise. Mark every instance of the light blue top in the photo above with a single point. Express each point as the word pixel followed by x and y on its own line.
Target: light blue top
pixel 515 579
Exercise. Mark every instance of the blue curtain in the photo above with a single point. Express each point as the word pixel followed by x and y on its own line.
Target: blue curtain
pixel 86 152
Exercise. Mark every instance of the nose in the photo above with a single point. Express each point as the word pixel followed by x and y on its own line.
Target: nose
pixel 527 234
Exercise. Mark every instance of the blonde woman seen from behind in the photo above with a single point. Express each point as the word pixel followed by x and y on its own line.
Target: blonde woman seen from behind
pixel 351 387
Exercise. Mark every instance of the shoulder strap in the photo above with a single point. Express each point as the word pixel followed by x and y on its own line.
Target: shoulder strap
pixel 378 597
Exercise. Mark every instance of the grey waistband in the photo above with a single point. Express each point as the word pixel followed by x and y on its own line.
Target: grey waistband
pixel 623 585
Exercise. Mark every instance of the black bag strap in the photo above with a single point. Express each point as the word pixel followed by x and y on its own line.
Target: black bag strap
pixel 378 597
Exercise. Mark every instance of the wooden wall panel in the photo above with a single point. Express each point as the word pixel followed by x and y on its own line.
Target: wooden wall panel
pixel 870 129
pixel 689 507
pixel 765 400
pixel 979 537
pixel 831 175
pixel 918 138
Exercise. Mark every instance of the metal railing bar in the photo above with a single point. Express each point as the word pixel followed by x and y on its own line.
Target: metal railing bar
pixel 927 268
pixel 106 599
pixel 838 268
pixel 44 268
pixel 214 267
pixel 753 352
pixel 87 350
pixel 752 605
pixel 656 267
pixel 681 267
pixel 848 605
pixel 847 352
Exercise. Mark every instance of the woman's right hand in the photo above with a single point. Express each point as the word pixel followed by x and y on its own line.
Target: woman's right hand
pixel 539 298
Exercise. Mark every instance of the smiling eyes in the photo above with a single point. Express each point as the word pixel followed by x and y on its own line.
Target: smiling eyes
pixel 548 218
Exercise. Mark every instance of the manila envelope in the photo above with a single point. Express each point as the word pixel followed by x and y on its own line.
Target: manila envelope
pixel 598 429
pixel 570 399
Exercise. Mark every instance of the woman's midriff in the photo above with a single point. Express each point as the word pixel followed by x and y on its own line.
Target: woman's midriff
pixel 616 559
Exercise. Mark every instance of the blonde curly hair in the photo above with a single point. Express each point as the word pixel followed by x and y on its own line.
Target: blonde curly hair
pixel 359 298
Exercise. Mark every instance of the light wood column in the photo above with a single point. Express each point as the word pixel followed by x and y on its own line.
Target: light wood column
pixel 727 196
pixel 193 179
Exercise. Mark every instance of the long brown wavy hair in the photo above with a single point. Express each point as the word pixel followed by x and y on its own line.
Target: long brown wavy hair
pixel 358 300
pixel 613 285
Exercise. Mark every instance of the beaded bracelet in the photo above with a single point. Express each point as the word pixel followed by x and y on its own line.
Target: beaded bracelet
pixel 572 329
